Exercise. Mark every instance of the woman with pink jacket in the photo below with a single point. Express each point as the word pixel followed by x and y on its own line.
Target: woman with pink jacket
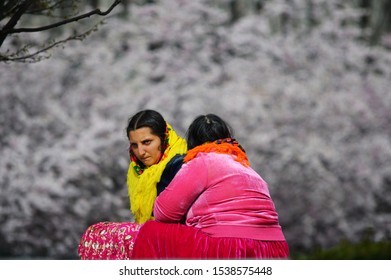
pixel 216 207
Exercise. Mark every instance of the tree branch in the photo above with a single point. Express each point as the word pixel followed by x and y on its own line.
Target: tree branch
pixel 7 8
pixel 20 10
pixel 54 25
pixel 52 45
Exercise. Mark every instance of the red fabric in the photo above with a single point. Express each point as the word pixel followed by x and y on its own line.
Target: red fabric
pixel 157 240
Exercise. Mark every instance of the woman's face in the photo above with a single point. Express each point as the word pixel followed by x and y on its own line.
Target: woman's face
pixel 145 145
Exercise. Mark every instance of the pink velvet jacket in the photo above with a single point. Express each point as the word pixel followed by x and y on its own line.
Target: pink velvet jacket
pixel 221 197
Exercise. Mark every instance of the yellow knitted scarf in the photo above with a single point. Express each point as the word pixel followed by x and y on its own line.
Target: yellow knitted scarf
pixel 142 188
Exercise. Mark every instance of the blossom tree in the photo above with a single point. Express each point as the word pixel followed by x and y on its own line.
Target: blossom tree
pixel 309 103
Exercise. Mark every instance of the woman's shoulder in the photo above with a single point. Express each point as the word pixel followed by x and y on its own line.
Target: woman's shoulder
pixel 213 156
pixel 225 163
pixel 173 166
pixel 171 169
pixel 176 161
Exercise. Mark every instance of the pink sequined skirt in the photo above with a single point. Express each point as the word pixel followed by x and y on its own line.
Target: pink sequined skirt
pixel 108 241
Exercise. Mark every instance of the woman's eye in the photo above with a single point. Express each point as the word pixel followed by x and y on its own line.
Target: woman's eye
pixel 147 142
pixel 134 146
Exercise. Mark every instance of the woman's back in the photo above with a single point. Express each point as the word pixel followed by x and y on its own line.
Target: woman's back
pixel 232 200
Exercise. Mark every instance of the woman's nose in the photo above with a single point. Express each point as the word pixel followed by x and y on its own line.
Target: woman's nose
pixel 141 150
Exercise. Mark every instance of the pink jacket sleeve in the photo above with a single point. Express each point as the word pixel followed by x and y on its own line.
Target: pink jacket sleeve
pixel 173 203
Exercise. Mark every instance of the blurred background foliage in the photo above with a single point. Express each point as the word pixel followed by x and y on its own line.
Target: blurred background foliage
pixel 304 83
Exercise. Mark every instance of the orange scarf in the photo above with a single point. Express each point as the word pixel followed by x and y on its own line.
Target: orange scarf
pixel 223 146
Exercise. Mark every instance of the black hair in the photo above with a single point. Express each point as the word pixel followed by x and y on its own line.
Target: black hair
pixel 149 118
pixel 207 128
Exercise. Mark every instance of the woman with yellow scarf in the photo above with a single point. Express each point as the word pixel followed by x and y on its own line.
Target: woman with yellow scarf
pixel 156 155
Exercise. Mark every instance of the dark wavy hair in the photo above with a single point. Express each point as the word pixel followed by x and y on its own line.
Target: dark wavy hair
pixel 207 128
